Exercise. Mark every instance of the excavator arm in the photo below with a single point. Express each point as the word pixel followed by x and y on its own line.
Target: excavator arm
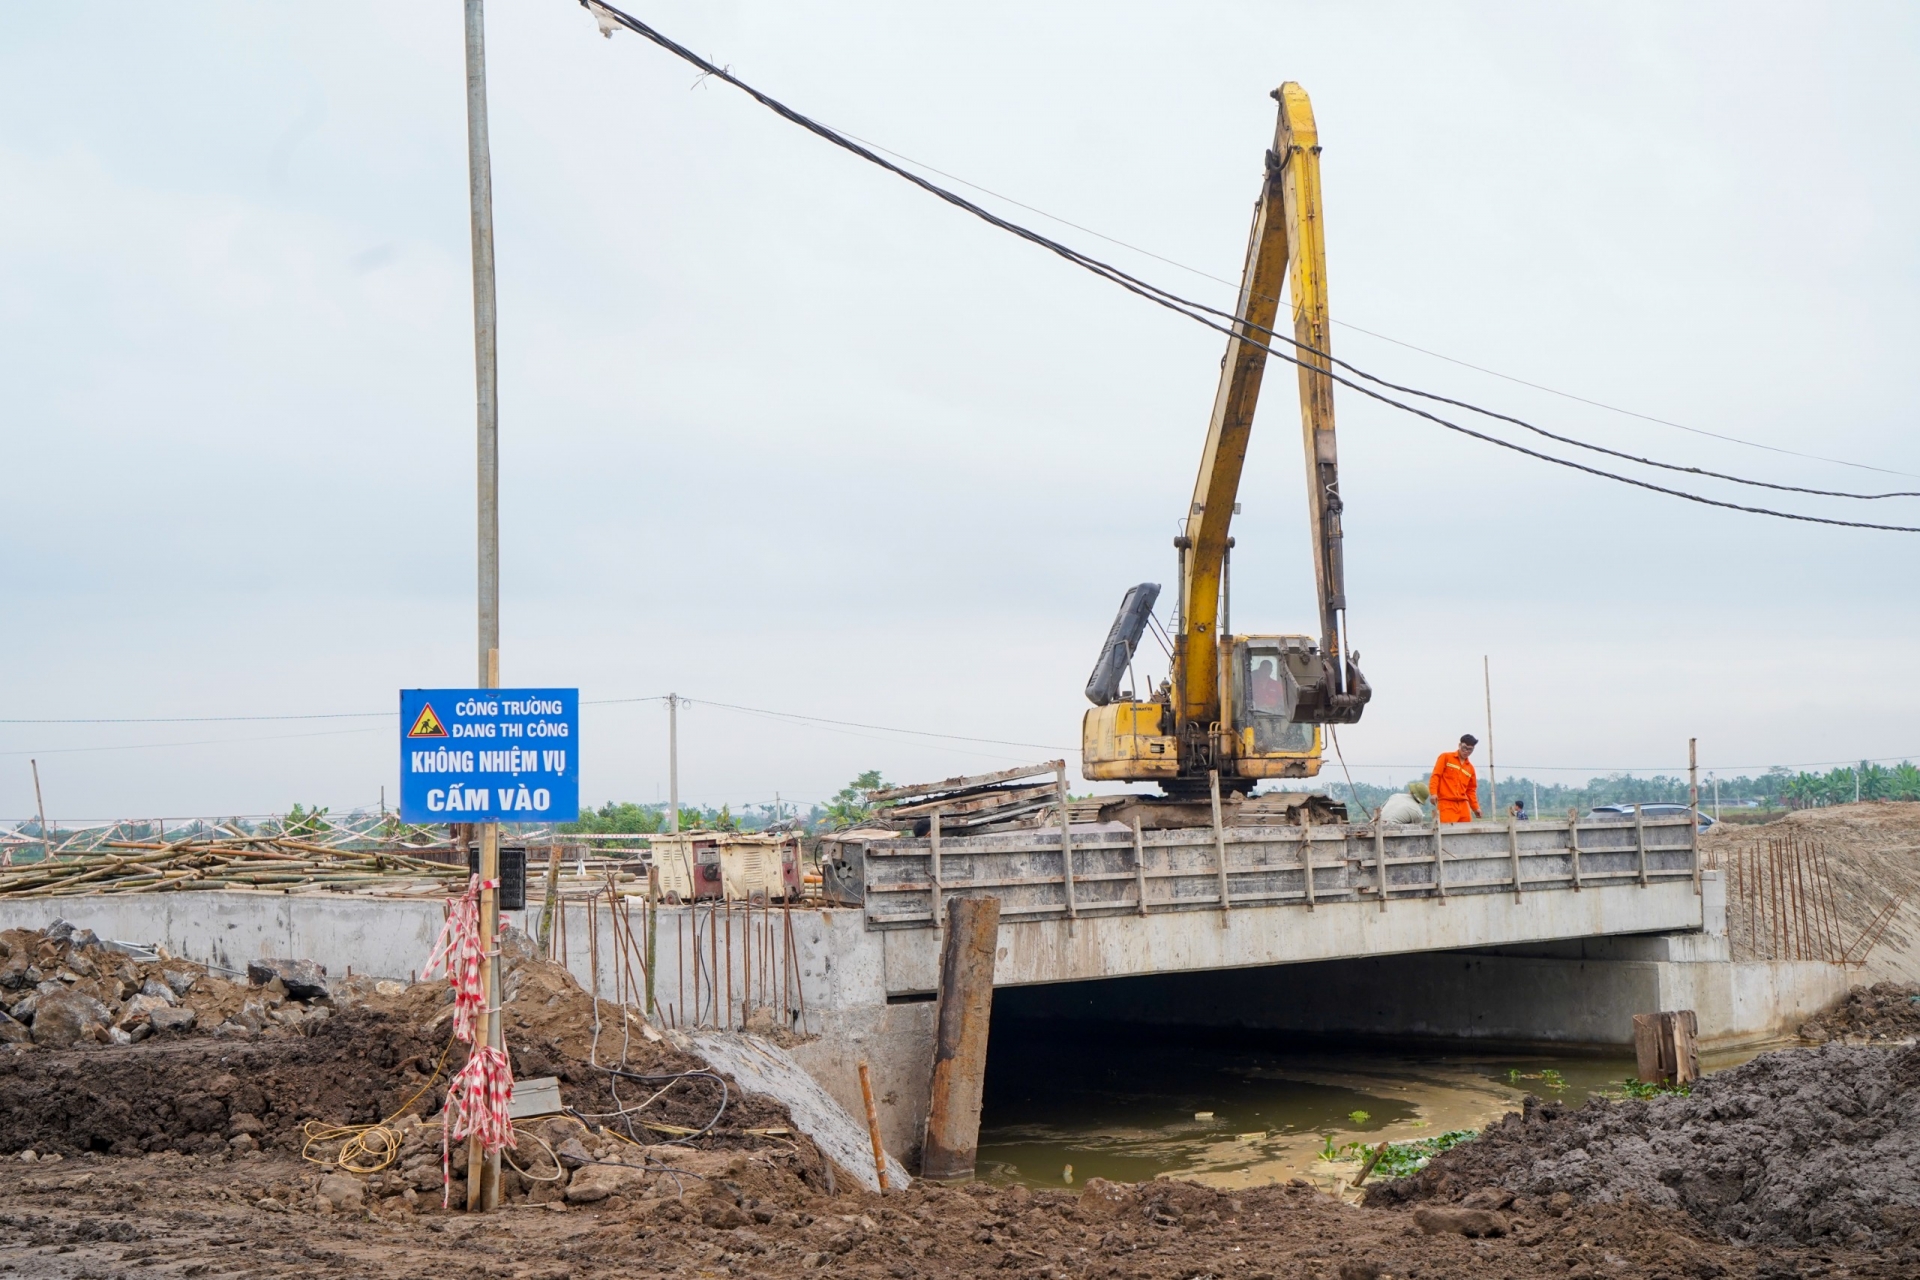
pixel 1286 243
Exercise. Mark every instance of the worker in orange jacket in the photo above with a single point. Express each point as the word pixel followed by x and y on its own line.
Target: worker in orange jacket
pixel 1455 786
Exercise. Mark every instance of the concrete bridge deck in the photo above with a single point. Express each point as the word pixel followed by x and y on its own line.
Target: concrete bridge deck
pixel 1104 902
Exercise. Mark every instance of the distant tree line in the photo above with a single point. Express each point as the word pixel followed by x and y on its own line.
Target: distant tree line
pixel 1777 788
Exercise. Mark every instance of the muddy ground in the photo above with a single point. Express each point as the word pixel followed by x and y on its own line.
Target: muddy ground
pixel 208 1152
pixel 173 1215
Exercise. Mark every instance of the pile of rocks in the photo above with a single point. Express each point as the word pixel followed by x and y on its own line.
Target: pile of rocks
pixel 64 988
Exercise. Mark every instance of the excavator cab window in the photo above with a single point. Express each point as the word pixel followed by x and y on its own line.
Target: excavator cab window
pixel 1265 695
pixel 1267 687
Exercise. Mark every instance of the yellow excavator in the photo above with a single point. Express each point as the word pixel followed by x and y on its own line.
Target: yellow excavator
pixel 1244 707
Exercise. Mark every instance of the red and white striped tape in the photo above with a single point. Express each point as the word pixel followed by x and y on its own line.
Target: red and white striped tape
pixel 480 1095
pixel 458 951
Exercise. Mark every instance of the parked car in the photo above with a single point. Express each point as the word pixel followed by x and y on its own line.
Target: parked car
pixel 1624 812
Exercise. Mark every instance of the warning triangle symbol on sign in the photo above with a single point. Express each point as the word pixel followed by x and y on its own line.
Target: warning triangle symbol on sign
pixel 427 724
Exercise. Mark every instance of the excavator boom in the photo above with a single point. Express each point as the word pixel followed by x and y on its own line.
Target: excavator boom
pixel 1239 705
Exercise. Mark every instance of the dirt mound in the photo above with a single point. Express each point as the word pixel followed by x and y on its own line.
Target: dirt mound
pixel 1874 858
pixel 253 1064
pixel 1884 1012
pixel 197 1094
pixel 1812 1147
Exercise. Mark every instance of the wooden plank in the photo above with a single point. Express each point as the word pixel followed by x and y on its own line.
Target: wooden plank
pixel 1648 1067
pixel 1140 863
pixel 1684 1027
pixel 1306 855
pixel 1439 863
pixel 1219 845
pixel 961 784
pixel 1640 841
pixel 976 807
pixel 1513 847
pixel 933 855
pixel 1380 860
pixel 1066 841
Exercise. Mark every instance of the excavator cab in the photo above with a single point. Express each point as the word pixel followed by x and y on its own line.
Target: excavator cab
pixel 1265 677
pixel 1270 682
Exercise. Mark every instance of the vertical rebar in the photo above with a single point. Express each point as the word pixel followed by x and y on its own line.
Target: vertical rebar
pixel 46 836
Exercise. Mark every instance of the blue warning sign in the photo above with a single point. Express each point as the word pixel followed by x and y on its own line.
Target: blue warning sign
pixel 489 755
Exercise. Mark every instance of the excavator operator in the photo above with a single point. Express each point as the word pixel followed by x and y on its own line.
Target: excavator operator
pixel 1455 786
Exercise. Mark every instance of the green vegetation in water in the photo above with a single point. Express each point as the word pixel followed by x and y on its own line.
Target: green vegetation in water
pixel 1359 1117
pixel 1402 1158
pixel 1547 1076
pixel 1631 1088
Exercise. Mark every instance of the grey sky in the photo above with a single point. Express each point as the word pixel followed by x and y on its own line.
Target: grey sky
pixel 781 432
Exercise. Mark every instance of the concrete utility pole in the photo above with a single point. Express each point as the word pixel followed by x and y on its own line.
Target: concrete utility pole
pixel 483 1172
pixel 673 764
pixel 1693 778
pixel 1493 779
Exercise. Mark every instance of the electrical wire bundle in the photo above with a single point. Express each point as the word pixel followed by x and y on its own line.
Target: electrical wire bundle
pixel 1262 338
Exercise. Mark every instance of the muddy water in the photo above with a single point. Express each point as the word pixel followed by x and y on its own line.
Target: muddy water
pixel 1134 1103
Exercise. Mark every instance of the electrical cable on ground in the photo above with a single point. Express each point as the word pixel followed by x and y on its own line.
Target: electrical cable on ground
pixel 367 1148
pixel 1202 313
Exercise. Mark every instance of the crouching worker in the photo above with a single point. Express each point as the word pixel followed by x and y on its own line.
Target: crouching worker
pixel 1404 807
pixel 1455 786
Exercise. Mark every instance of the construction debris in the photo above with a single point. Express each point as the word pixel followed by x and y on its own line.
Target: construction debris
pixel 229 862
pixel 985 802
pixel 1884 1013
pixel 1009 801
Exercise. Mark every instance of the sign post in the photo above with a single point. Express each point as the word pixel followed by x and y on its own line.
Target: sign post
pixel 483 1179
pixel 489 755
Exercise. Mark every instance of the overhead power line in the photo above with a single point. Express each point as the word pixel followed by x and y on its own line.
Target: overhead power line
pixel 1398 342
pixel 1203 314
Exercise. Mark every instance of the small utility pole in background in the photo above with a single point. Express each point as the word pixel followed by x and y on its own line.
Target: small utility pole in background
pixel 673 763
pixel 1856 781
pixel 1493 779
pixel 1693 778
pixel 483 1172
pixel 1716 796
pixel 46 834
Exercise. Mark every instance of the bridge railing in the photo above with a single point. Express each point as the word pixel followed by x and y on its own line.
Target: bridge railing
pixel 1111 870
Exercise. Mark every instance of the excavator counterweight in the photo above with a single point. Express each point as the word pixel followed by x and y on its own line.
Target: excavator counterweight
pixel 1245 707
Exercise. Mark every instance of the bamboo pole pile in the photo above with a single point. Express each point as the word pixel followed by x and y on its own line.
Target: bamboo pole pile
pixel 280 863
